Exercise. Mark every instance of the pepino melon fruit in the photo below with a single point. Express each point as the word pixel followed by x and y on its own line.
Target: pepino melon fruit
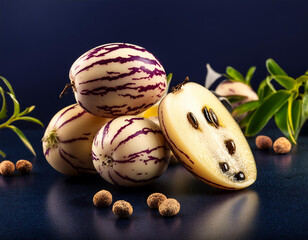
pixel 205 138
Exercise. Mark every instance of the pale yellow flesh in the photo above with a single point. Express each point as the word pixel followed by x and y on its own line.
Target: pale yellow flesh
pixel 201 150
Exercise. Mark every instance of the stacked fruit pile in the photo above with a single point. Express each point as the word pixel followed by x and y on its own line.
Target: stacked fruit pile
pixel 103 132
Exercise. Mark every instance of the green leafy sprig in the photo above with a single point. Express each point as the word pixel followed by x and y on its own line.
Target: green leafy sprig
pixel 234 75
pixel 288 104
pixel 16 116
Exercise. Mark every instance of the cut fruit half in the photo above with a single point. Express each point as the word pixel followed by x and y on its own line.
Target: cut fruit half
pixel 205 137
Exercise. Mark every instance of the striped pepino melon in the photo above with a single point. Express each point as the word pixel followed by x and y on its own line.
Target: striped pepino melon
pixel 130 151
pixel 67 142
pixel 117 79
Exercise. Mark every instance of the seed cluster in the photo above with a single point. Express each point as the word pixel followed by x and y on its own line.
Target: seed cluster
pixel 212 119
pixel 167 207
pixel 120 208
pixel 7 168
pixel 281 145
pixel 210 116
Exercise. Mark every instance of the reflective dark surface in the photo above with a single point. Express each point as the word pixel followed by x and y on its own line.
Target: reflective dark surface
pixel 48 205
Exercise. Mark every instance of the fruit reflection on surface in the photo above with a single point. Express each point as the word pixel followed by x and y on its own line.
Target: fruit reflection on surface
pixel 229 218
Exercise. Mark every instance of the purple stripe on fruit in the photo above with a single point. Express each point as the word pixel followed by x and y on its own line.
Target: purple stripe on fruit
pixel 130 122
pixel 112 180
pixel 209 182
pixel 120 60
pixel 144 131
pixel 170 141
pixel 131 96
pixel 110 48
pixel 135 180
pixel 105 132
pixel 147 151
pixel 72 118
pixel 62 114
pixel 74 140
pixel 134 70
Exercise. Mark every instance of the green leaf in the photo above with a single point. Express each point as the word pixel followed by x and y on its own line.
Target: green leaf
pixel 235 75
pixel 266 111
pixel 3 110
pixel 8 85
pixel 31 119
pixel 243 123
pixel 264 90
pixel 283 122
pixel 235 98
pixel 296 116
pixel 273 68
pixel 270 85
pixel 304 110
pixel 169 78
pixel 22 138
pixel 249 74
pixel 26 111
pixel 16 105
pixel 281 119
pixel 302 79
pixel 246 107
pixel 2 154
pixel 285 81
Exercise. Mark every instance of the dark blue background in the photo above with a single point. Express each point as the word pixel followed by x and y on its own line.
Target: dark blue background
pixel 40 39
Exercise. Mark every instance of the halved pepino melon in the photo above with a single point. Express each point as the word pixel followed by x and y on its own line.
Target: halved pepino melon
pixel 205 137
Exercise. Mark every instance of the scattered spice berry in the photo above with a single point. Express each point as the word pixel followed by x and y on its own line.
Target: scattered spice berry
pixel 155 199
pixel 102 198
pixel 24 166
pixel 170 207
pixel 7 168
pixel 122 209
pixel 264 142
pixel 282 145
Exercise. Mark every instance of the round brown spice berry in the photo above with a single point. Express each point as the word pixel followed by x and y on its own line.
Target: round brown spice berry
pixel 122 209
pixel 282 145
pixel 170 207
pixel 155 199
pixel 102 198
pixel 24 166
pixel 264 142
pixel 7 168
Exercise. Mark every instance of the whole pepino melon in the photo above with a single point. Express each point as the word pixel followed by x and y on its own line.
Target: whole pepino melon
pixel 117 79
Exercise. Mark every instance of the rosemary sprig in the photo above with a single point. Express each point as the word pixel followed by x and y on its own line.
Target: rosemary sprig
pixel 288 104
pixel 16 116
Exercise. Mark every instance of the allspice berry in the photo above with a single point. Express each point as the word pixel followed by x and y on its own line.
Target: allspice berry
pixel 264 142
pixel 155 199
pixel 102 198
pixel 24 166
pixel 282 145
pixel 170 207
pixel 7 168
pixel 122 209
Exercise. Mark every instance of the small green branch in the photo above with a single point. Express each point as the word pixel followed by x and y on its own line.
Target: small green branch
pixel 16 116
